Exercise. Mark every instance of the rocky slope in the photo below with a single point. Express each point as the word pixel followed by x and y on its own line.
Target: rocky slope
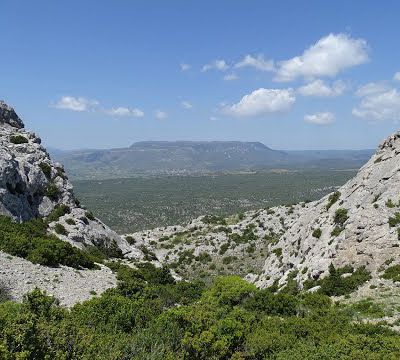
pixel 351 226
pixel 68 285
pixel 32 185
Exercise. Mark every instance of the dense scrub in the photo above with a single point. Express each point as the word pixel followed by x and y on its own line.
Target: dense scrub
pixel 335 284
pixel 30 241
pixel 232 319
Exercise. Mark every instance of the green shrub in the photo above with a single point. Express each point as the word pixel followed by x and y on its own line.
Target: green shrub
pixel 394 220
pixel 336 285
pixel 131 240
pixel 203 257
pixel 277 252
pixel 150 316
pixel 90 215
pixel 70 221
pixel 333 198
pixel 390 204
pixel 340 216
pixel 46 169
pixel 224 247
pixel 60 229
pixel 368 308
pixel 392 273
pixel 18 139
pixel 336 231
pixel 214 220
pixel 58 211
pixel 52 191
pixel 317 233
pixel 30 241
pixel 228 259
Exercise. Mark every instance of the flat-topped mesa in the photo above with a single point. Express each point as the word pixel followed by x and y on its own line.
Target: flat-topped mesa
pixel 9 116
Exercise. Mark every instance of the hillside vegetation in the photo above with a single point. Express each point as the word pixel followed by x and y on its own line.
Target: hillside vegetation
pixel 232 319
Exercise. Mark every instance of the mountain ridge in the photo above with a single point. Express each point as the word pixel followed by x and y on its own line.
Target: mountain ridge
pixel 199 157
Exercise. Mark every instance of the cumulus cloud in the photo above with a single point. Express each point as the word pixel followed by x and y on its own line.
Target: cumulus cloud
pixel 230 77
pixel 397 76
pixel 262 102
pixel 220 65
pixel 125 112
pixel 75 103
pixel 186 105
pixel 258 63
pixel 322 118
pixel 372 88
pixel 327 57
pixel 320 88
pixel 185 67
pixel 161 115
pixel 379 105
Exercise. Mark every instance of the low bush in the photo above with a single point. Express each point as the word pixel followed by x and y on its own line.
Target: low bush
pixel 394 220
pixel 60 229
pixel 340 216
pixel 18 139
pixel 336 285
pixel 46 169
pixel 58 211
pixel 214 220
pixel 332 199
pixel 317 233
pixel 70 221
pixel 30 241
pixel 90 215
pixel 392 273
pixel 52 191
pixel 336 231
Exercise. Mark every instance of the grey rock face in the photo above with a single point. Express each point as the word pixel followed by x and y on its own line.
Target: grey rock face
pixel 366 238
pixel 8 116
pixel 32 185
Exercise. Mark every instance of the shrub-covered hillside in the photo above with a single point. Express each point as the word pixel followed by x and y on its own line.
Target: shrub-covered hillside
pixel 150 316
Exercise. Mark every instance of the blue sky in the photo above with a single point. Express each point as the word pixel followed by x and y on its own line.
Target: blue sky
pixel 291 74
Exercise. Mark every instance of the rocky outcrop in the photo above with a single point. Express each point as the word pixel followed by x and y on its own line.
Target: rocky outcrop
pixel 32 185
pixel 350 227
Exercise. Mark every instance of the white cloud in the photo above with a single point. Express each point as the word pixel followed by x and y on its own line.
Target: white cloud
pixel 213 118
pixel 372 88
pixel 125 112
pixel 397 76
pixel 262 102
pixel 379 105
pixel 186 105
pixel 161 115
pixel 216 65
pixel 230 77
pixel 75 103
pixel 322 118
pixel 185 67
pixel 258 63
pixel 327 57
pixel 320 88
